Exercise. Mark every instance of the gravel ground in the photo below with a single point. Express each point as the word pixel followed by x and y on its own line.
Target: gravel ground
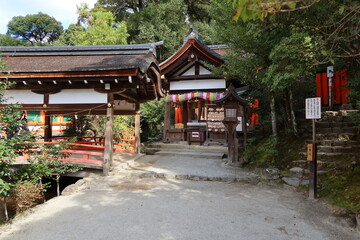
pixel 131 208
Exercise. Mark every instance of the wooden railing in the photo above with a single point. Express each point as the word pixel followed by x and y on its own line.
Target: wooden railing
pixel 91 143
pixel 70 155
pixel 87 147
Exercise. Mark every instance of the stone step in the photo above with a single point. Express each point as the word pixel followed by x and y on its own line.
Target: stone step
pixel 334 149
pixel 336 136
pixel 186 146
pixel 335 124
pixel 332 154
pixel 336 142
pixel 156 150
pixel 191 154
pixel 339 130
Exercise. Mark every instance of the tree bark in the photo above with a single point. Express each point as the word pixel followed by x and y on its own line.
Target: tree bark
pixel 5 209
pixel 293 118
pixel 58 184
pixel 273 117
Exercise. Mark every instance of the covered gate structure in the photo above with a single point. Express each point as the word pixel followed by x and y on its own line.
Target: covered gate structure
pixel 102 80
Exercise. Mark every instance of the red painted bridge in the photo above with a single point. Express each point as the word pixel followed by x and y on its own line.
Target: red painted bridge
pixel 84 151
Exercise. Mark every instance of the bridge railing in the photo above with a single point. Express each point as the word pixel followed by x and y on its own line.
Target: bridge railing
pixel 68 155
pixel 120 145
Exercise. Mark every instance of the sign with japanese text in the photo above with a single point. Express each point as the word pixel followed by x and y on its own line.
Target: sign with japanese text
pixel 313 108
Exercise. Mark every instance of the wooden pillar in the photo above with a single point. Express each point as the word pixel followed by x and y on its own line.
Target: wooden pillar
pixel 109 135
pixel 137 130
pixel 231 128
pixel 244 122
pixel 47 128
pixel 47 120
pixel 166 119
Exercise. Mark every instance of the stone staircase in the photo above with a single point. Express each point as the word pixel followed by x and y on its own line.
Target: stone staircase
pixel 336 138
pixel 336 135
pixel 183 149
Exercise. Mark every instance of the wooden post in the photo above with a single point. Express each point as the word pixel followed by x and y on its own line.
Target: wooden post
pixel 244 122
pixel 137 131
pixel 231 128
pixel 109 135
pixel 47 120
pixel 313 167
pixel 166 119
pixel 48 128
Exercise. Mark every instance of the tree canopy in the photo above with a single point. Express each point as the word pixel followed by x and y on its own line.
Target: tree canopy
pixel 94 27
pixel 6 40
pixel 35 28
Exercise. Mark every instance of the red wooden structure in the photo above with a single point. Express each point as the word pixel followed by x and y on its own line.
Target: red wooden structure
pixel 97 143
pixel 339 88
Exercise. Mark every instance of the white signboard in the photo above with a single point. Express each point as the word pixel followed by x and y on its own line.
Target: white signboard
pixel 330 71
pixel 313 108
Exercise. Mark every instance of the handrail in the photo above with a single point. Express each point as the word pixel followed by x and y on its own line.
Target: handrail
pixel 120 144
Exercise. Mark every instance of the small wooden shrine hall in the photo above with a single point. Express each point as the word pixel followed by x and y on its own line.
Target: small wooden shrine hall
pixel 191 92
pixel 107 80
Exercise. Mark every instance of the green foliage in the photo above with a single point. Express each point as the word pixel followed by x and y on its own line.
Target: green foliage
pixel 6 40
pixel 96 27
pixel 198 10
pixel 262 154
pixel 35 28
pixel 124 8
pixel 341 185
pixel 154 23
pixel 152 117
pixel 5 188
pixel 259 9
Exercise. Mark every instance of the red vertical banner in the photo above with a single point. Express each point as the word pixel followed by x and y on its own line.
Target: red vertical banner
pixel 344 87
pixel 325 89
pixel 336 87
pixel 318 85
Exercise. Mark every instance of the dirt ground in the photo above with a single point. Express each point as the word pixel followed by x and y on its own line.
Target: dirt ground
pixel 149 208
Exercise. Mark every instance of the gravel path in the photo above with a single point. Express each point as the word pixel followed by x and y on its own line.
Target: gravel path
pixel 133 208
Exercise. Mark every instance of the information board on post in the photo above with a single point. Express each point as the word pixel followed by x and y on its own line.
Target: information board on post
pixel 312 111
pixel 313 108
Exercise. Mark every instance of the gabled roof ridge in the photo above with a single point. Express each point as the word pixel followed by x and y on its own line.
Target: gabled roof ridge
pixel 181 49
pixel 131 49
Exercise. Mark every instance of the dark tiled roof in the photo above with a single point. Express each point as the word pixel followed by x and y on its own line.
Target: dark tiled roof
pixel 78 58
pixel 48 64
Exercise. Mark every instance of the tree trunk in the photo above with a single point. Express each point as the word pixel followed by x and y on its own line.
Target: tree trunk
pixel 58 184
pixel 5 209
pixel 293 118
pixel 287 109
pixel 273 117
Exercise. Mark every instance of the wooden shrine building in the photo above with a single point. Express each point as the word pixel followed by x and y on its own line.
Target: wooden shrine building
pixel 191 92
pixel 85 80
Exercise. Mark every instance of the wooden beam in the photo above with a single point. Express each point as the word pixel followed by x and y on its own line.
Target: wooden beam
pixel 109 73
pixel 137 131
pixel 109 135
pixel 49 87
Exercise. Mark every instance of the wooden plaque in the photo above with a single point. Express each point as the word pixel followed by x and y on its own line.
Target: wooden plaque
pixel 310 152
